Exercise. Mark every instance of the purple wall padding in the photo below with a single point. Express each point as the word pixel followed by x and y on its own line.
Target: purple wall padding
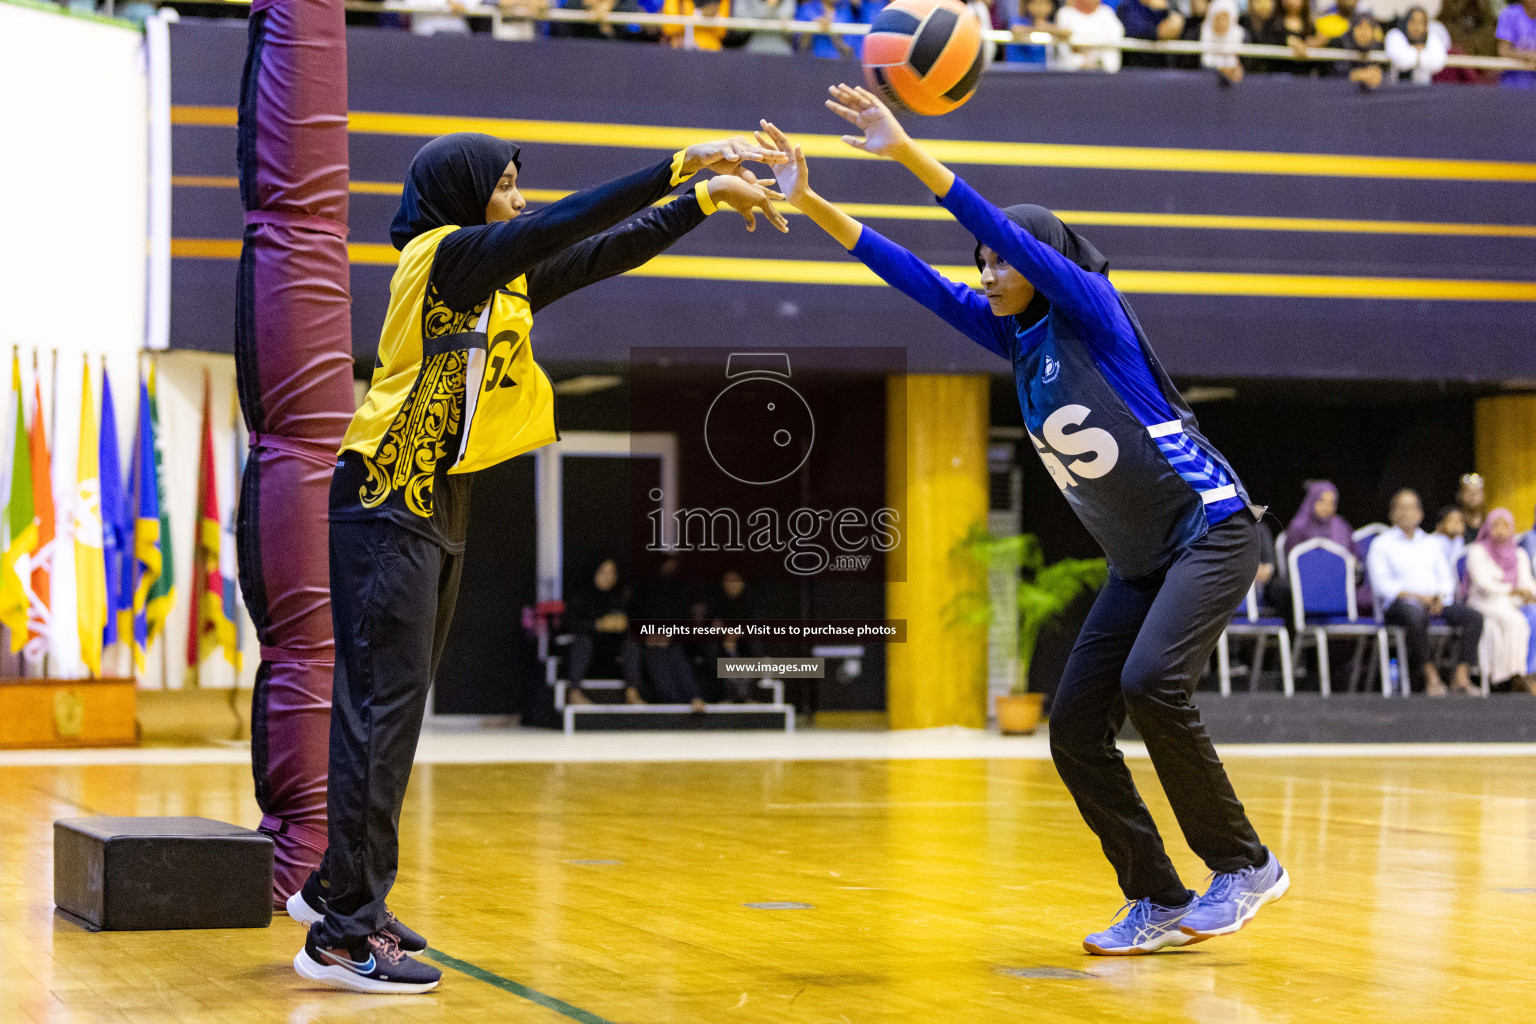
pixel 293 354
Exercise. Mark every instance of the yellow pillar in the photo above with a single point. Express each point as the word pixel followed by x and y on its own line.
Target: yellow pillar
pixel 1506 453
pixel 936 468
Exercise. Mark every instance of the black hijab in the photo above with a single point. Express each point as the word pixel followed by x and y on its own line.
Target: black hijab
pixel 450 181
pixel 1046 227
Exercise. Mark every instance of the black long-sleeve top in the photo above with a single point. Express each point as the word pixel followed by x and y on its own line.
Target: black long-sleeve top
pixel 561 247
pixel 568 244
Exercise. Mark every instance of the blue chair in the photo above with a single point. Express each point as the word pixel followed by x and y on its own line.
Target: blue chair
pixel 1248 622
pixel 1323 606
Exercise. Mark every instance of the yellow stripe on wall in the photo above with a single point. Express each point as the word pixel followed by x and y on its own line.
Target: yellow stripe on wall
pixel 959 151
pixel 1144 282
pixel 1097 218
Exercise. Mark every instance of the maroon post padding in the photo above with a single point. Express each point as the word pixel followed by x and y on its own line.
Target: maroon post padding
pixel 293 353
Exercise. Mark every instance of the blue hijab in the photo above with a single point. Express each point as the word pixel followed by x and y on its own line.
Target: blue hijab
pixel 450 181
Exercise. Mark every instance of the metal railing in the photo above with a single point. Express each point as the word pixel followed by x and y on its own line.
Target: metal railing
pixel 499 16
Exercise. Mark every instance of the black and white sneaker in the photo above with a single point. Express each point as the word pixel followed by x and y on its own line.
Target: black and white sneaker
pixel 307 906
pixel 375 964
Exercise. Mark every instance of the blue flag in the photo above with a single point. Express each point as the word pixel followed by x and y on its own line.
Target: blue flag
pixel 116 525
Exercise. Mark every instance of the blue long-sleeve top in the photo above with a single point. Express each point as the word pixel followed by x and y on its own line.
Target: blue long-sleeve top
pixel 1086 299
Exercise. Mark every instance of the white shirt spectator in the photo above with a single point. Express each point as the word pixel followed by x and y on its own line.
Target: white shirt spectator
pixel 446 23
pixel 1420 63
pixel 1088 28
pixel 1401 564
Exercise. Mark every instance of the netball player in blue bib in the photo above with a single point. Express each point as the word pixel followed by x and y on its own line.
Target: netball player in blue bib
pixel 1171 515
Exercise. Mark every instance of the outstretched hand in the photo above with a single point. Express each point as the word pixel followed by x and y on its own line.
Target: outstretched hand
pixel 747 198
pixel 883 134
pixel 725 156
pixel 793 179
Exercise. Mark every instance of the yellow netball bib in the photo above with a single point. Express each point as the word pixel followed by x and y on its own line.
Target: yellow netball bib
pixel 455 388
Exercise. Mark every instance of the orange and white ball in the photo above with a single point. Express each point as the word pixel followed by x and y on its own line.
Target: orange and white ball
pixel 924 55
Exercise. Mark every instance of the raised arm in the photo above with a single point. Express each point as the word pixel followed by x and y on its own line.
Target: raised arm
pixel 632 244
pixel 1086 297
pixel 473 262
pixel 957 304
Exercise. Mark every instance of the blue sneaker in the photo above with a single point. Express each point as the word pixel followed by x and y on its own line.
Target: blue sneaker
pixel 1234 897
pixel 1146 929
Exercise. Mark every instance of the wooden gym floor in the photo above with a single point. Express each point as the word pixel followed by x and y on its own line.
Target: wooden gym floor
pixel 858 891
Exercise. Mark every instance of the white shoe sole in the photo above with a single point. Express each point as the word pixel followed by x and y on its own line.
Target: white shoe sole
pixel 1273 893
pixel 339 977
pixel 300 910
pixel 1168 940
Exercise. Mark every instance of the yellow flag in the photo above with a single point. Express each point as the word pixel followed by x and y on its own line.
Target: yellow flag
pixel 90 562
pixel 19 526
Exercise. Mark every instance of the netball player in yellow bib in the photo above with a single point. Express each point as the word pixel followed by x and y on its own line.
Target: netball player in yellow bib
pixel 455 389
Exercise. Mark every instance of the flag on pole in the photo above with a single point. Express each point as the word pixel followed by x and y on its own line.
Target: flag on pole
pixel 116 526
pixel 228 562
pixel 90 562
pixel 40 616
pixel 153 572
pixel 210 627
pixel 19 526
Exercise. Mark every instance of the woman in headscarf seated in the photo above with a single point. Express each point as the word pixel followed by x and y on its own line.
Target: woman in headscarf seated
pixel 1221 35
pixel 1417 47
pixel 1357 66
pixel 1500 585
pixel 1319 517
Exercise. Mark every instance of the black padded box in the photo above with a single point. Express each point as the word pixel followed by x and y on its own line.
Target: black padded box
pixel 137 874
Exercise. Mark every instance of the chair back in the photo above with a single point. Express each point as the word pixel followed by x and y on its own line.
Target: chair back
pixel 1322 580
pixel 1250 606
pixel 1364 536
pixel 1281 564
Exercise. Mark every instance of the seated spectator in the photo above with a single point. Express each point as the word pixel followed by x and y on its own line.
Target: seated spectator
pixel 1471 27
pixel 677 36
pixel 1266 581
pixel 1296 24
pixel 1408 571
pixel 1450 530
pixel 666 662
pixel 601 29
pixel 767 10
pixel 731 602
pixel 1318 517
pixel 1527 542
pixel 1194 22
pixel 598 619
pixel 450 22
pixel 1151 20
pixel 1089 24
pixel 1516 32
pixel 828 43
pixel 1221 34
pixel 1262 28
pixel 1417 47
pixel 1470 498
pixel 1500 586
pixel 1038 18
pixel 1359 68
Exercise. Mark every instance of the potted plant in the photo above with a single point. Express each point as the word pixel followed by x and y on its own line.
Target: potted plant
pixel 1041 594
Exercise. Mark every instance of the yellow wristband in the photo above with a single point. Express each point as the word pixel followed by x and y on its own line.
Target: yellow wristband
pixel 678 177
pixel 701 193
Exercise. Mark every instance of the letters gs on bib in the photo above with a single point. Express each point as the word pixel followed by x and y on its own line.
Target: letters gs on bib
pixel 1066 437
pixel 498 361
